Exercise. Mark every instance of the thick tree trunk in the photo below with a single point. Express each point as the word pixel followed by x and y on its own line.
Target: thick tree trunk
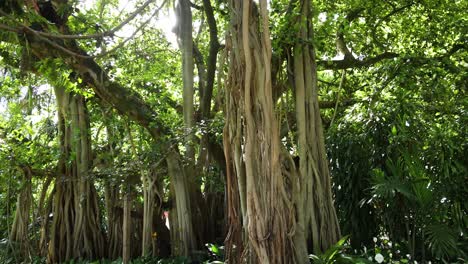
pixel 76 229
pixel 283 207
pixel 42 214
pixel 317 220
pixel 114 220
pixel 267 220
pixel 183 226
pixel 88 236
pixel 19 230
pixel 186 46
pixel 184 31
pixel 45 226
pixel 151 203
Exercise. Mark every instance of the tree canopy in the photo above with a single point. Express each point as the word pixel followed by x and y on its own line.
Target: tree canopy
pixel 281 131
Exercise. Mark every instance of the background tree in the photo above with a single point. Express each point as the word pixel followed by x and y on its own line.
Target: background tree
pixel 234 145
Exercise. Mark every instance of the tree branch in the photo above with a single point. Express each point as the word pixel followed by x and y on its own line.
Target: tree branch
pixel 340 40
pixel 91 36
pixel 41 35
pixel 332 104
pixel 124 100
pixel 205 104
pixel 197 7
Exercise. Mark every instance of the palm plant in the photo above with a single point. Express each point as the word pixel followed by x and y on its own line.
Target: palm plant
pixel 335 254
pixel 405 194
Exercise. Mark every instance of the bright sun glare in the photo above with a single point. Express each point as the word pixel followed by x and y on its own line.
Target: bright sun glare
pixel 165 19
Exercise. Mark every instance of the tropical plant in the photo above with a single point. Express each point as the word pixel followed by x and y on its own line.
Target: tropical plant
pixel 153 127
pixel 336 254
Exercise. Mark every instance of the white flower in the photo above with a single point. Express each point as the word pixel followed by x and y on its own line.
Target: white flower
pixel 370 258
pixel 390 244
pixel 375 240
pixel 379 258
pixel 365 249
pixel 408 256
pixel 415 262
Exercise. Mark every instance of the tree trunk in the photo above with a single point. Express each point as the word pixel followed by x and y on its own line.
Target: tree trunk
pixel 114 220
pixel 75 231
pixel 267 220
pixel 283 207
pixel 88 236
pixel 317 220
pixel 19 229
pixel 184 32
pixel 186 46
pixel 185 244
pixel 150 194
pixel 127 228
pixel 45 226
pixel 113 199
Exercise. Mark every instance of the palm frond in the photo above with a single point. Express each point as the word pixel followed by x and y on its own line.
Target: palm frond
pixel 441 240
pixel 387 187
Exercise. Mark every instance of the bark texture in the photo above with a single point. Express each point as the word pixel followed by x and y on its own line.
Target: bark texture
pixel 151 207
pixel 181 229
pixel 254 141
pixel 284 209
pixel 114 220
pixel 44 210
pixel 316 216
pixel 75 230
pixel 127 228
pixel 19 230
pixel 191 175
pixel 186 46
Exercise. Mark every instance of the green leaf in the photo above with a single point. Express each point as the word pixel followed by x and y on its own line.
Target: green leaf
pixel 442 240
pixel 335 249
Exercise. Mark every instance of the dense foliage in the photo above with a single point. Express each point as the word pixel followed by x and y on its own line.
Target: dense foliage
pixel 116 136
